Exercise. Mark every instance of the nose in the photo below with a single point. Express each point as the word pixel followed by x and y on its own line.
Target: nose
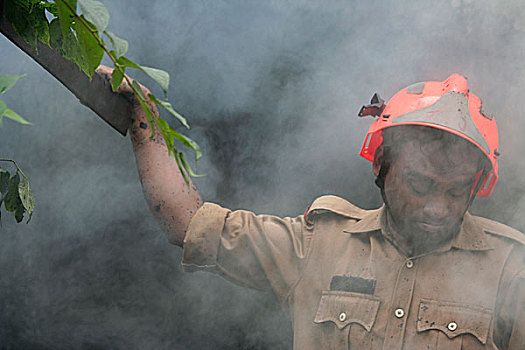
pixel 436 207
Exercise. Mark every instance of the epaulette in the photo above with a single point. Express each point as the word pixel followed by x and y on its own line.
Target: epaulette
pixel 499 229
pixel 333 204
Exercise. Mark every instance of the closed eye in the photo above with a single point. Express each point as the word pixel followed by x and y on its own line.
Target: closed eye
pixel 461 189
pixel 458 192
pixel 419 184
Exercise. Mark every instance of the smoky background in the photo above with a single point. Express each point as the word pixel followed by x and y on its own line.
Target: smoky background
pixel 271 90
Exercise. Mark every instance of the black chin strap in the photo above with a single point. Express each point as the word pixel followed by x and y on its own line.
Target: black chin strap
pixel 380 180
pixel 480 182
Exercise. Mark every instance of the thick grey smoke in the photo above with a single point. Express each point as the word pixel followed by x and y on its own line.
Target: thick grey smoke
pixel 271 89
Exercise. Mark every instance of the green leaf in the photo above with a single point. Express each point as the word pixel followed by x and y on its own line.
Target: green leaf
pixel 4 180
pixel 186 141
pixel 12 200
pixel 119 45
pixel 181 167
pixel 41 27
pixel 116 79
pixel 188 167
pixel 145 108
pixel 169 134
pixel 3 107
pixel 126 62
pixel 139 89
pixel 29 21
pixel 164 128
pixel 91 50
pixel 19 214
pixel 9 113
pixel 167 106
pixel 17 14
pixel 160 76
pixel 25 194
pixel 55 33
pixel 67 46
pixel 7 81
pixel 29 218
pixel 51 7
pixel 65 16
pixel 95 12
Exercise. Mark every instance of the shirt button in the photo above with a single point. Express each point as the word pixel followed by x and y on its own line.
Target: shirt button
pixel 409 264
pixel 342 317
pixel 452 326
pixel 399 313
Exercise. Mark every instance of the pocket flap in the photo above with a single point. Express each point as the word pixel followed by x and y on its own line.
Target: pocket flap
pixel 343 308
pixel 454 319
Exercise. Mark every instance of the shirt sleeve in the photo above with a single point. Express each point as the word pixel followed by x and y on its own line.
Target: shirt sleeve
pixel 258 251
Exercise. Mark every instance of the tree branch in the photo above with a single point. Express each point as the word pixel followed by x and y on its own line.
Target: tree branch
pixel 95 93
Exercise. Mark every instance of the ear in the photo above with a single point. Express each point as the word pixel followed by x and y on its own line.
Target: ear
pixel 378 159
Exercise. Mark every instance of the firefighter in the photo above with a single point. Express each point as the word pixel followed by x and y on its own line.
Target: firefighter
pixel 418 273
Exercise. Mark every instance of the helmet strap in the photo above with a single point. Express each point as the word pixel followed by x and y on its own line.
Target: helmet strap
pixel 380 179
pixel 478 185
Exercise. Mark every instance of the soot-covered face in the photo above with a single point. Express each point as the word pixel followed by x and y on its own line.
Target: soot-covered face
pixel 428 186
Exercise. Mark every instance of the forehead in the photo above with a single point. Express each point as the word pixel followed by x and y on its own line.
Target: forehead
pixel 438 152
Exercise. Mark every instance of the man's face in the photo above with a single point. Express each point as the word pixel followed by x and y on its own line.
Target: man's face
pixel 427 188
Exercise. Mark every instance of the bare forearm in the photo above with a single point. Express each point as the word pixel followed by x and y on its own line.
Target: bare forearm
pixel 171 200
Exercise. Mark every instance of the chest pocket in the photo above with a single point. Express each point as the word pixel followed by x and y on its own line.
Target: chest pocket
pixel 338 309
pixel 452 320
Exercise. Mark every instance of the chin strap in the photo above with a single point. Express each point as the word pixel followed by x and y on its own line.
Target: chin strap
pixel 480 180
pixel 380 180
pixel 383 168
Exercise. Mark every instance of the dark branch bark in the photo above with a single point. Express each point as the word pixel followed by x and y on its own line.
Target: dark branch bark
pixel 95 94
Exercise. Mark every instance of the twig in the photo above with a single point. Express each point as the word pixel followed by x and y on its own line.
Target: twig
pixel 16 165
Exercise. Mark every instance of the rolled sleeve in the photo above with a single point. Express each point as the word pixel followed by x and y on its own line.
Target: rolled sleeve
pixel 202 238
pixel 258 251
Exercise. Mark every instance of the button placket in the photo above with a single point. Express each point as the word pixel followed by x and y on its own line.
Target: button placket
pixel 401 300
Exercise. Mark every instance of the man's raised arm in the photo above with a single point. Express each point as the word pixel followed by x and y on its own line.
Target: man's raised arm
pixel 170 199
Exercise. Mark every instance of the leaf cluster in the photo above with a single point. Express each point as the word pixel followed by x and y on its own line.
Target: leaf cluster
pixel 78 31
pixel 15 193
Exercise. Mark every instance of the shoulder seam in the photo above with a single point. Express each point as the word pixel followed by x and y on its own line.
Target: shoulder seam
pixel 336 205
pixel 498 229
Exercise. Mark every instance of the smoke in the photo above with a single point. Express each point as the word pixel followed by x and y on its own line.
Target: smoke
pixel 271 89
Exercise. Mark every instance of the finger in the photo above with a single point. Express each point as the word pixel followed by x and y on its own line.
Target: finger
pixel 104 72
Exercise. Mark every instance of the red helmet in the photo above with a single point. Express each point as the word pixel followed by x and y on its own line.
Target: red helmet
pixel 446 105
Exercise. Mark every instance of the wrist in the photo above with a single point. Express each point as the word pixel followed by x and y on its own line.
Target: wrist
pixel 140 128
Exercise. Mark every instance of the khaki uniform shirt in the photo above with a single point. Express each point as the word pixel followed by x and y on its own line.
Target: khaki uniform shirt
pixel 347 286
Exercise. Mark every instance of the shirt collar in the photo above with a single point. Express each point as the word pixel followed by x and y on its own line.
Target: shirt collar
pixel 470 237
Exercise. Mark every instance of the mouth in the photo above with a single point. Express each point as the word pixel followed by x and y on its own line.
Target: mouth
pixel 431 227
